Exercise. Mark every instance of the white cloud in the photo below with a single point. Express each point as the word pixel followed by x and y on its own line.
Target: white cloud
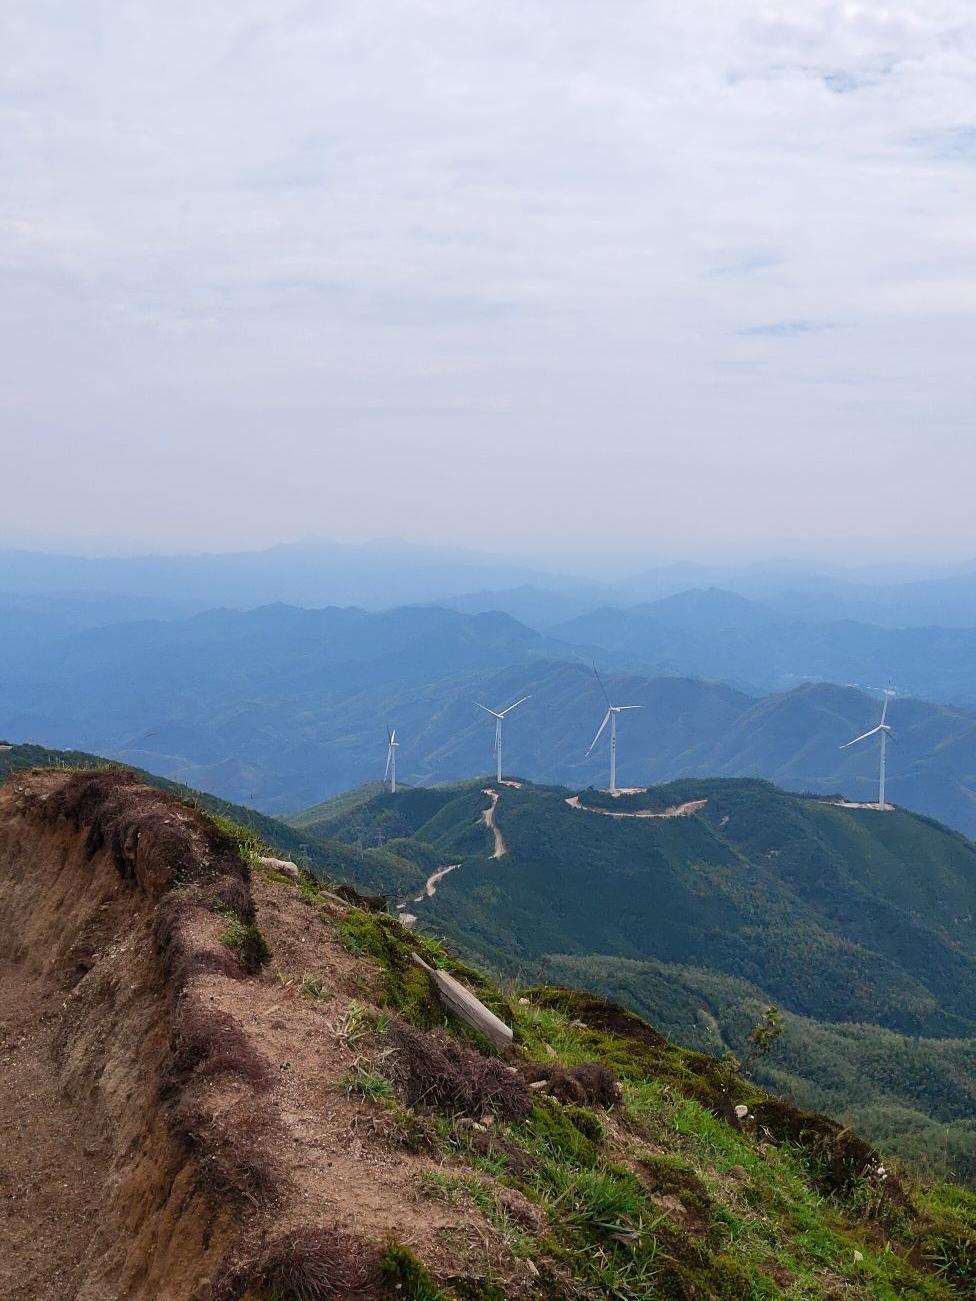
pixel 717 244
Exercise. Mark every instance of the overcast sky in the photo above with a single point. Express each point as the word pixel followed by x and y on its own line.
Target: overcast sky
pixel 683 279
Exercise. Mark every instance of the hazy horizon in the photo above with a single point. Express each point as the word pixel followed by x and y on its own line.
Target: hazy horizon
pixel 562 563
pixel 542 281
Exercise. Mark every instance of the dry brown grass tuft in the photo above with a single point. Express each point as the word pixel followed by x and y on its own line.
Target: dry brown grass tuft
pixel 588 1085
pixel 307 1264
pixel 208 1043
pixel 235 1148
pixel 433 1070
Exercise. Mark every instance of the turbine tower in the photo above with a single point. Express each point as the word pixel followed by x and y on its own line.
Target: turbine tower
pixel 391 759
pixel 883 732
pixel 498 716
pixel 610 717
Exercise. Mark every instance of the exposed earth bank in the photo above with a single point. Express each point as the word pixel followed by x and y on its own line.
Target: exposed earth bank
pixel 173 1121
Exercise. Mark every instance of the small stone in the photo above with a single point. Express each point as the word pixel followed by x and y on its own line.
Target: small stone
pixel 524 1002
pixel 539 1084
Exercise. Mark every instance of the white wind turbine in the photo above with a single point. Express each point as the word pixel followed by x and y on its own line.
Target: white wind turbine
pixel 498 716
pixel 882 731
pixel 610 717
pixel 391 759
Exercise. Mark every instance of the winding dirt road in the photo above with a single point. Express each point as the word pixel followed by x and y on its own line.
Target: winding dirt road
pixel 488 818
pixel 676 811
pixel 432 882
pixel 430 885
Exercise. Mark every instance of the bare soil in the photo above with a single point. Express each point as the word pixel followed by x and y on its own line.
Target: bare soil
pixel 488 817
pixel 126 1176
pixel 676 811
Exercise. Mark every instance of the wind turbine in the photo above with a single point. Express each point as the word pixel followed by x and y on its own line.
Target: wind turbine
pixel 883 731
pixel 391 759
pixel 610 717
pixel 498 716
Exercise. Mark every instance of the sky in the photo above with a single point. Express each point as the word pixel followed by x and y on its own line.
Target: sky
pixel 557 277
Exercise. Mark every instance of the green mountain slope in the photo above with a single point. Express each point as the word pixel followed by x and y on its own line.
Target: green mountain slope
pixel 859 925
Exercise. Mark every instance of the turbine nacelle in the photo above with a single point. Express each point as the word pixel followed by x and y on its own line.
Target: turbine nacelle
pixel 885 734
pixel 609 717
pixel 498 715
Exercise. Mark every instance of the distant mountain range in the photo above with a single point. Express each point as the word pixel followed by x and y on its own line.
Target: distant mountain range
pixel 382 574
pixel 718 634
pixel 280 707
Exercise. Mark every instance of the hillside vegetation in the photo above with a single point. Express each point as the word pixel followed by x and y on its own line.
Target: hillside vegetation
pixel 843 917
pixel 296 1117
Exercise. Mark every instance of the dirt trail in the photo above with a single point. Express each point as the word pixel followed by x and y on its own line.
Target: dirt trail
pixel 488 817
pixel 164 1116
pixel 676 811
pixel 855 804
pixel 430 885
pixel 429 890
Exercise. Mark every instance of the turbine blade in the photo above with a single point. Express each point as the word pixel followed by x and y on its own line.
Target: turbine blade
pixel 884 710
pixel 488 711
pixel 602 687
pixel 389 756
pixel 606 719
pixel 511 707
pixel 618 708
pixel 863 737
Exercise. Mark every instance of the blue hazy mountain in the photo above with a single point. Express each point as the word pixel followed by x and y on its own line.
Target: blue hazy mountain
pixel 283 707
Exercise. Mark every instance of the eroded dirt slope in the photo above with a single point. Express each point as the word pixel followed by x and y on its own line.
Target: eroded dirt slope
pixel 173 1114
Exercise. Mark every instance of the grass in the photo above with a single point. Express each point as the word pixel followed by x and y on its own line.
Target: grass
pixel 245 939
pixel 367 1082
pixel 313 987
pixel 436 1185
pixel 403 1272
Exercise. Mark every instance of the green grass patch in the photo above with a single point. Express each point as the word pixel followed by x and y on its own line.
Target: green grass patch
pixel 369 1083
pixel 246 940
pixel 402 1271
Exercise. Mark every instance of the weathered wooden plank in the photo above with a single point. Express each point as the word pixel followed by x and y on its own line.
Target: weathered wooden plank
pixel 460 1002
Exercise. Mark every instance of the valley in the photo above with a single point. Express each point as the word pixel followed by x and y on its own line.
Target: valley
pixel 859 925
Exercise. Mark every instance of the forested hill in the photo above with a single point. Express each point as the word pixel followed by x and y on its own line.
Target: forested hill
pixel 843 917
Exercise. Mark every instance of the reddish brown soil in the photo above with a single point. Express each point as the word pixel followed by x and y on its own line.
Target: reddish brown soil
pixel 128 1173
